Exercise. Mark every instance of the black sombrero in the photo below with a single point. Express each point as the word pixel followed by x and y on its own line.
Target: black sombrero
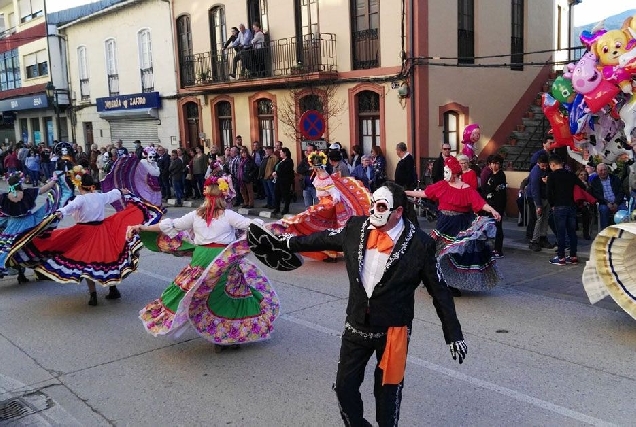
pixel 271 250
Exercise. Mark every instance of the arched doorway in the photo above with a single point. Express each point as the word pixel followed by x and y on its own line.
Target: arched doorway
pixel 191 112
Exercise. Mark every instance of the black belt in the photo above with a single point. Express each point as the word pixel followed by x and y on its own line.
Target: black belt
pixel 92 222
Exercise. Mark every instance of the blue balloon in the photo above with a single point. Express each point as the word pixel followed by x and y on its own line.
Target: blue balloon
pixel 621 216
pixel 578 117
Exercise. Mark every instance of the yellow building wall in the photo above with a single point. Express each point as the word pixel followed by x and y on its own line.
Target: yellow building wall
pixel 489 93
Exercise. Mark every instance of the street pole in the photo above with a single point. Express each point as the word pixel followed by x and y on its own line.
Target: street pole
pixel 57 116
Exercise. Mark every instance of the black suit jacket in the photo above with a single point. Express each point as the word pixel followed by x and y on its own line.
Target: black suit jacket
pixel 411 262
pixel 405 172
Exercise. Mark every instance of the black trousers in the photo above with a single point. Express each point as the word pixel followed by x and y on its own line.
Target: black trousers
pixel 355 353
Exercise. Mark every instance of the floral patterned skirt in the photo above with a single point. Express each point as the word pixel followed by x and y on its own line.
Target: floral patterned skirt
pixel 222 295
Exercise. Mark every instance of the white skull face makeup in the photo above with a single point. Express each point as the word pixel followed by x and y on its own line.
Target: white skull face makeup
pixel 447 174
pixel 381 207
pixel 64 151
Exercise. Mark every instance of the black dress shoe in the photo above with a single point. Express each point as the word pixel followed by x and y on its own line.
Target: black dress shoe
pixel 330 260
pixel 22 278
pixel 93 299
pixel 113 293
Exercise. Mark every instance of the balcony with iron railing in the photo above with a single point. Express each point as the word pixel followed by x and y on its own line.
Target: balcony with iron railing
pixel 278 59
pixel 366 49
pixel 147 80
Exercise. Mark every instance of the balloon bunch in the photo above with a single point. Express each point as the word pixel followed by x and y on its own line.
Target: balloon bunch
pixel 592 107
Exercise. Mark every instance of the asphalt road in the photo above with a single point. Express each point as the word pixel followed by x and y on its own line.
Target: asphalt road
pixel 539 354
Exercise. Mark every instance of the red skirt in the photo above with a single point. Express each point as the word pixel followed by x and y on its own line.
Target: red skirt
pixel 99 252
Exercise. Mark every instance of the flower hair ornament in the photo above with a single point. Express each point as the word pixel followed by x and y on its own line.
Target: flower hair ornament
pixel 317 159
pixel 13 188
pixel 76 175
pixel 224 187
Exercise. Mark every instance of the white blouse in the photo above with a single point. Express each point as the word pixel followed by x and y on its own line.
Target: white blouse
pixel 221 230
pixel 90 207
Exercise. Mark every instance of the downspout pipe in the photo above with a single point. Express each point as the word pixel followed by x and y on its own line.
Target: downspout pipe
pixel 412 78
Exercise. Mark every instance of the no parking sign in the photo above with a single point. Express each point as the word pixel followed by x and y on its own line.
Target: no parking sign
pixel 312 124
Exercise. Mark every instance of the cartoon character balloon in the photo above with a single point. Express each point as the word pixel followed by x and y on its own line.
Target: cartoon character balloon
pixel 588 81
pixel 609 48
pixel 559 123
pixel 472 133
pixel 563 91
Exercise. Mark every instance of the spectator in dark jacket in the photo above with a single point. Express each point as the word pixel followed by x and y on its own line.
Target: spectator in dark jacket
pixel 539 206
pixel 608 190
pixel 405 174
pixel 284 176
pixel 305 170
pixel 496 197
pixel 378 162
pixel 560 190
pixel 438 166
pixel 176 175
pixel 163 162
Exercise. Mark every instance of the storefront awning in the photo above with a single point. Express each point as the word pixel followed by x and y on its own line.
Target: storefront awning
pixel 136 114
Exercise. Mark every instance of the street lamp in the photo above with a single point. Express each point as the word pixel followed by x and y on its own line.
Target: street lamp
pixel 51 95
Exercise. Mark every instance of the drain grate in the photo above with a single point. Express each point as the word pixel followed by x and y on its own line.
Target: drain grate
pixel 13 408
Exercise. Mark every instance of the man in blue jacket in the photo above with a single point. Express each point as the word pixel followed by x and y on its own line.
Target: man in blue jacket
pixel 607 189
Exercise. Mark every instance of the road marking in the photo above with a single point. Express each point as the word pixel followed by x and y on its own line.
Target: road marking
pixel 513 394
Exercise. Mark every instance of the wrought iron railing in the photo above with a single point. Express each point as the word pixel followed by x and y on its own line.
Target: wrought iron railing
pixel 85 91
pixel 366 49
pixel 113 84
pixel 278 58
pixel 147 80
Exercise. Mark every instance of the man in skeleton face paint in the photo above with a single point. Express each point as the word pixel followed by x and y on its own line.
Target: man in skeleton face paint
pixel 387 258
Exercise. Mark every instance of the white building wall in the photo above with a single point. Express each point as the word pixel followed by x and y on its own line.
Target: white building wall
pixel 123 24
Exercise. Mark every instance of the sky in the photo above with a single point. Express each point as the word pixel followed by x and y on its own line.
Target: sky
pixel 593 11
pixel 55 5
pixel 586 12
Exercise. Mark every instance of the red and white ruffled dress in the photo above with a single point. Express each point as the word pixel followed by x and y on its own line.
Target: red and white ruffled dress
pixel 339 199
pixel 96 247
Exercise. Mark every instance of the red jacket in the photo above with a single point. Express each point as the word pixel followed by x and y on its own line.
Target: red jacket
pixel 581 196
pixel 11 161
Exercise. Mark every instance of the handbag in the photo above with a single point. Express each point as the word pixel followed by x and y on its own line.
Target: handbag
pixel 189 177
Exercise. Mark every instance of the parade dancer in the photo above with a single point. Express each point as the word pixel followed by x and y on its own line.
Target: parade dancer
pixel 224 296
pixel 140 176
pixel 464 257
pixel 95 248
pixel 19 220
pixel 387 258
pixel 339 199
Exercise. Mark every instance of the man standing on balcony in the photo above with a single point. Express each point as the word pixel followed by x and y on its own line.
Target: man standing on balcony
pixel 243 42
pixel 257 57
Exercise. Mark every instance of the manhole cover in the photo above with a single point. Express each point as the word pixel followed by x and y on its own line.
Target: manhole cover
pixel 13 408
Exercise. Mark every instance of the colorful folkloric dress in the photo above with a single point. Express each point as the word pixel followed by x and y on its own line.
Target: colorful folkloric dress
pixel 339 199
pixel 141 177
pixel 94 248
pixel 463 254
pixel 19 222
pixel 221 294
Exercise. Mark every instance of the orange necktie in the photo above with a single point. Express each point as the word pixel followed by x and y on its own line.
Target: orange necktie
pixel 380 240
